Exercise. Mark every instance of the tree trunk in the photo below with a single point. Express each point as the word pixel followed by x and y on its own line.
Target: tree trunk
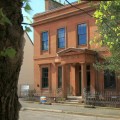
pixel 10 36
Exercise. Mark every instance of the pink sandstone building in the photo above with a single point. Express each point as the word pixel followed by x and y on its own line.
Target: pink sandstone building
pixel 63 55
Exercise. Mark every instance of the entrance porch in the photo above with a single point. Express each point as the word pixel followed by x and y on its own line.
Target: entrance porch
pixel 78 73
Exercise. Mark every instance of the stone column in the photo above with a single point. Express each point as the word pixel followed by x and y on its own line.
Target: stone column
pixel 92 78
pixel 64 81
pixel 72 80
pixel 83 77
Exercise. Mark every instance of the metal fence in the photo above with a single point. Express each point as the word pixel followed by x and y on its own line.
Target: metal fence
pixel 106 99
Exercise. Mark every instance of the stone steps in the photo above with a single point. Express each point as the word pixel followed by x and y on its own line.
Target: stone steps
pixel 73 99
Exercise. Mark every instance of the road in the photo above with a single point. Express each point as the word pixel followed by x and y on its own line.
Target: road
pixel 42 115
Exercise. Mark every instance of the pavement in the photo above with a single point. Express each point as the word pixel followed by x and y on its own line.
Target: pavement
pixel 72 109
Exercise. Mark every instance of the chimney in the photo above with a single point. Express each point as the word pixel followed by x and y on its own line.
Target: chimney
pixel 52 4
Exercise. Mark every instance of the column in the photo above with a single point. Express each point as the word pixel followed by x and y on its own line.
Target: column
pixel 63 81
pixel 93 75
pixel 72 80
pixel 83 77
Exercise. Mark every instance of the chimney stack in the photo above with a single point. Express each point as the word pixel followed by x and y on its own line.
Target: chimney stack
pixel 52 4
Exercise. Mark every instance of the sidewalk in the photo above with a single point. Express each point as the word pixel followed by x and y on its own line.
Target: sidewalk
pixel 72 109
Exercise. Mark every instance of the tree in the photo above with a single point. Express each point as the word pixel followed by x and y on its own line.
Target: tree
pixel 11 55
pixel 108 22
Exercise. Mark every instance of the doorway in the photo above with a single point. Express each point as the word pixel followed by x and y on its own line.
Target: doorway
pixel 88 78
pixel 79 80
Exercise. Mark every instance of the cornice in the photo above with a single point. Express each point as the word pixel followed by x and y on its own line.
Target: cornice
pixel 57 9
pixel 62 16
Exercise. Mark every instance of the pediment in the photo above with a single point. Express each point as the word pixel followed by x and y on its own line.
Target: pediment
pixel 70 51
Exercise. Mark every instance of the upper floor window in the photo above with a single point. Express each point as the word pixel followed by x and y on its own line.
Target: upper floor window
pixel 61 37
pixel 44 40
pixel 82 34
pixel 109 80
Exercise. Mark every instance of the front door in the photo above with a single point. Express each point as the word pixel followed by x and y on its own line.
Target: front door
pixel 79 82
pixel 88 77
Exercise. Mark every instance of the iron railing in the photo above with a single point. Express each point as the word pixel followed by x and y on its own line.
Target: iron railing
pixel 107 99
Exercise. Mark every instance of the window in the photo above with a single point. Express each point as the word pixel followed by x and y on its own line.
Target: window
pixel 61 37
pixel 44 77
pixel 109 80
pixel 59 77
pixel 44 40
pixel 82 34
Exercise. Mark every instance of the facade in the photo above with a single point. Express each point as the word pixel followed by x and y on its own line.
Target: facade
pixel 26 77
pixel 63 56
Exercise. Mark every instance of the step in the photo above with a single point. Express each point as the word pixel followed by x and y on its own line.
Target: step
pixel 72 100
pixel 74 97
pixel 71 103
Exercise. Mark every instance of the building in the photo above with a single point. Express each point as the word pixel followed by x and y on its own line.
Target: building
pixel 26 76
pixel 63 56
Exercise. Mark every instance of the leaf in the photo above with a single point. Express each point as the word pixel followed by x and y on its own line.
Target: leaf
pixel 79 1
pixel 27 8
pixel 27 29
pixel 28 19
pixel 1 13
pixel 10 52
pixel 112 17
pixel 4 19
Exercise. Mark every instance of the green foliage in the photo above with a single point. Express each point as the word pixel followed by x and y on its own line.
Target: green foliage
pixel 27 29
pixel 108 22
pixel 79 1
pixel 28 19
pixel 26 6
pixel 3 18
pixel 108 16
pixel 27 9
pixel 10 52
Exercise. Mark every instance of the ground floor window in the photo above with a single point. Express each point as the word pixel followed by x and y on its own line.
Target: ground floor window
pixel 45 77
pixel 109 80
pixel 59 76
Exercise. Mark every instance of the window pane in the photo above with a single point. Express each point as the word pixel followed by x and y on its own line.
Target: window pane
pixel 44 45
pixel 61 38
pixel 44 77
pixel 109 80
pixel 61 31
pixel 82 39
pixel 61 35
pixel 82 34
pixel 44 36
pixel 82 29
pixel 45 41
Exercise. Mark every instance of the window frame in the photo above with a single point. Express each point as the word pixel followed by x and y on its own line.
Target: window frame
pixel 61 77
pixel 42 81
pixel 86 33
pixel 58 45
pixel 44 40
pixel 110 80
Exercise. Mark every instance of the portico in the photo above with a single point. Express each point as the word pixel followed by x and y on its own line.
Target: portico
pixel 77 70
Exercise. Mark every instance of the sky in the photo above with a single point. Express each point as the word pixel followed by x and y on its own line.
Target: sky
pixel 37 6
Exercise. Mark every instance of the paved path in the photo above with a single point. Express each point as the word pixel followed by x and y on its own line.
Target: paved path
pixel 40 115
pixel 73 109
